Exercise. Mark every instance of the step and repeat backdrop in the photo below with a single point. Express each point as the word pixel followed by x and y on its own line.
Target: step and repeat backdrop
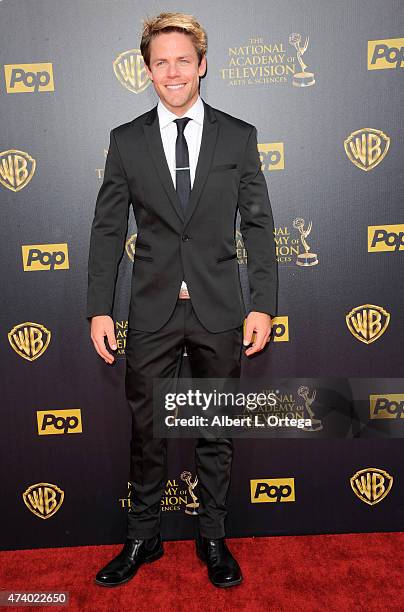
pixel 321 81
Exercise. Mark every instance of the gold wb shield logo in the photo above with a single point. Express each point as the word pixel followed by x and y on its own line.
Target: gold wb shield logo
pixel 371 485
pixel 367 147
pixel 368 322
pixel 16 169
pixel 129 69
pixel 43 499
pixel 29 340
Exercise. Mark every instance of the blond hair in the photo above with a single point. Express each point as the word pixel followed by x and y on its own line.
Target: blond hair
pixel 173 22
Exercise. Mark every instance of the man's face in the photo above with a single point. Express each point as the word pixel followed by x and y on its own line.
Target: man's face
pixel 174 70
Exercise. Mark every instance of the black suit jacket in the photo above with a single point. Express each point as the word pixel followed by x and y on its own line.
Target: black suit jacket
pixel 169 247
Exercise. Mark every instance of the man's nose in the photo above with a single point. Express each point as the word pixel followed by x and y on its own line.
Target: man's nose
pixel 172 69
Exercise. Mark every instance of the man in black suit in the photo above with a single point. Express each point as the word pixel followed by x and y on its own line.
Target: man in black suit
pixel 185 167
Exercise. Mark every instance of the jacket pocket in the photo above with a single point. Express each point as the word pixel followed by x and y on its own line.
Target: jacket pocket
pixel 223 167
pixel 143 257
pixel 143 245
pixel 226 258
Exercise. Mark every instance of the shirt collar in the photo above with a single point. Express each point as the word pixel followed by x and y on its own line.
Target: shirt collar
pixel 196 112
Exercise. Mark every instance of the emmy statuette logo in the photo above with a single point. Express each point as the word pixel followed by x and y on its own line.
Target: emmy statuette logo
pixel 191 507
pixel 305 259
pixel 316 424
pixel 303 78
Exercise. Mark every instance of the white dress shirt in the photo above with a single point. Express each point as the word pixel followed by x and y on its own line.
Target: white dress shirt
pixel 192 133
pixel 193 136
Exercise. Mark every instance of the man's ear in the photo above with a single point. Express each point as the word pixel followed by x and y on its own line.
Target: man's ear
pixel 149 73
pixel 202 67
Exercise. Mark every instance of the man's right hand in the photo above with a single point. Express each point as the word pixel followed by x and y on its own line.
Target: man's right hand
pixel 101 326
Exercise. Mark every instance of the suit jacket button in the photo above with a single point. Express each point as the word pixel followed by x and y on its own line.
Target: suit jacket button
pixel 185 237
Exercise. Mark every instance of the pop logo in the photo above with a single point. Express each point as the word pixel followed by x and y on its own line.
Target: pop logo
pixel 272 490
pixel 272 156
pixel 384 54
pixel 280 329
pixel 387 406
pixel 31 78
pixel 45 257
pixel 59 422
pixel 385 238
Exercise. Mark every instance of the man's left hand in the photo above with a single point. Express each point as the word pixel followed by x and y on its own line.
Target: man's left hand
pixel 260 323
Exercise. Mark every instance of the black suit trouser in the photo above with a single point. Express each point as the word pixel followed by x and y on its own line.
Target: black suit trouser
pixel 158 354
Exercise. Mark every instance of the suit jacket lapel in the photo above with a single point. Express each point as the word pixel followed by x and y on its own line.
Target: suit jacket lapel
pixel 152 133
pixel 208 143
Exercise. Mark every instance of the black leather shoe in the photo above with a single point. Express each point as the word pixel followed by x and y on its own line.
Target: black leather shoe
pixel 123 567
pixel 223 569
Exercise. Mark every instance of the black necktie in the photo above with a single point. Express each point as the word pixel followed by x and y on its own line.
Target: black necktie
pixel 182 173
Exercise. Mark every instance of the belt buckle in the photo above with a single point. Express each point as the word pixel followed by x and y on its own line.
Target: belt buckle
pixel 184 294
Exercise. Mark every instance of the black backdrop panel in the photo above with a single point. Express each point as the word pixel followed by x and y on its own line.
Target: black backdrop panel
pixel 62 91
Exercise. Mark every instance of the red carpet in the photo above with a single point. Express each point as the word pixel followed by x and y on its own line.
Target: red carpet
pixel 288 573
